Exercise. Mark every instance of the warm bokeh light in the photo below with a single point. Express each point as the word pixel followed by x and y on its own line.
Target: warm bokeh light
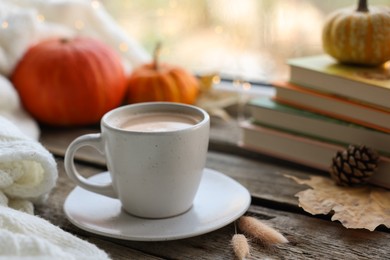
pixel 246 39
pixel 40 18
pixel 123 47
pixel 79 24
pixel 4 25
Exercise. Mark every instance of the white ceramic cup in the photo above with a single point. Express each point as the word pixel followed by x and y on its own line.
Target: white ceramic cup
pixel 155 174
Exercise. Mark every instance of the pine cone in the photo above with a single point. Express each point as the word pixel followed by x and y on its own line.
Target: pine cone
pixel 354 165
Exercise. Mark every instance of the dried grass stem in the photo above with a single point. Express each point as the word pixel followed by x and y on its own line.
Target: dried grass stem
pixel 240 246
pixel 260 232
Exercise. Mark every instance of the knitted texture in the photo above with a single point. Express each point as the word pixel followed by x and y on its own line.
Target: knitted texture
pixel 24 236
pixel 27 170
pixel 24 29
pixel 11 108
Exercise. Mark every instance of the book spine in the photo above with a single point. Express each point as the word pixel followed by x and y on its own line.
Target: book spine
pixel 321 128
pixel 302 150
pixel 349 118
pixel 370 94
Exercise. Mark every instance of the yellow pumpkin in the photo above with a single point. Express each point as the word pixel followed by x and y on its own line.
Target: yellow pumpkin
pixel 358 36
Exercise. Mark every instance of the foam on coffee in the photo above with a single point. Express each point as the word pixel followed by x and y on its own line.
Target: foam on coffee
pixel 158 122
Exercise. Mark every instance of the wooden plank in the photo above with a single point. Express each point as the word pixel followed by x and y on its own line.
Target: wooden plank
pixel 309 237
pixel 224 138
pixel 117 251
pixel 262 180
pixel 57 140
pixel 259 173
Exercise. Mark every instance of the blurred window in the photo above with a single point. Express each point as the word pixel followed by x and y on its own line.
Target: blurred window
pixel 248 39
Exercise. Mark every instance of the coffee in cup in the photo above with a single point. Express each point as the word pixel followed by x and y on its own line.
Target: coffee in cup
pixel 158 122
pixel 155 153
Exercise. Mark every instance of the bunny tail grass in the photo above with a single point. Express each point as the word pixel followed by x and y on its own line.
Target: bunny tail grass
pixel 240 246
pixel 260 232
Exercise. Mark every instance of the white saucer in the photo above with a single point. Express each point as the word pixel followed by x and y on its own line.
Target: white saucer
pixel 220 200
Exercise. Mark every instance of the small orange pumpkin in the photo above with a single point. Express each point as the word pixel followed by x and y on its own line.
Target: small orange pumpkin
pixel 67 82
pixel 360 36
pixel 162 82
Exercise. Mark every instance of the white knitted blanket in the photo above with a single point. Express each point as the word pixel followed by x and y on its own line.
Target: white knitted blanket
pixel 24 236
pixel 27 174
pixel 27 170
pixel 26 22
pixel 11 108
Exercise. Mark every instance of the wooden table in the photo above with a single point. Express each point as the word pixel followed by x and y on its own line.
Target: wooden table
pixel 273 201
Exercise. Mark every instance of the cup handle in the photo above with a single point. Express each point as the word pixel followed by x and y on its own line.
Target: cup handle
pixel 96 141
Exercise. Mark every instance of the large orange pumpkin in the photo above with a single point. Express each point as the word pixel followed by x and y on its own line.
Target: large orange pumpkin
pixel 69 82
pixel 358 36
pixel 162 82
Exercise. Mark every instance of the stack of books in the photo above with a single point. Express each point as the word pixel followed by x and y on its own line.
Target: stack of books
pixel 324 107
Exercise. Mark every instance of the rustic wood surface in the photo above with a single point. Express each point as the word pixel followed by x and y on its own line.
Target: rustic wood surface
pixel 273 201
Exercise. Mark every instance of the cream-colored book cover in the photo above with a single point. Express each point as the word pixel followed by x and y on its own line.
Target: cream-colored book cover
pixel 323 73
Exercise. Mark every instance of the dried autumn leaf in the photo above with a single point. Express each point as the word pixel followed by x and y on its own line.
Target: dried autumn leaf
pixel 215 102
pixel 358 207
pixel 206 81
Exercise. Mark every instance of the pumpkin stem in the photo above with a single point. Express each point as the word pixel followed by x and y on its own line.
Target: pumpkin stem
pixel 362 6
pixel 64 40
pixel 156 56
